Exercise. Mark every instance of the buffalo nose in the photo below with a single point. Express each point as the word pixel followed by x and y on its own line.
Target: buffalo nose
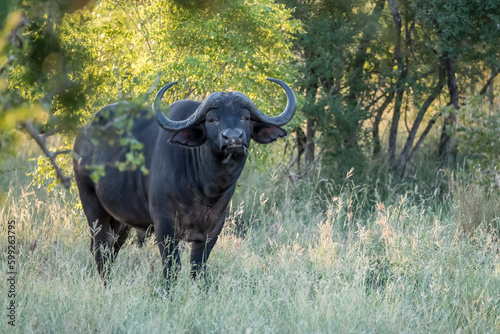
pixel 232 136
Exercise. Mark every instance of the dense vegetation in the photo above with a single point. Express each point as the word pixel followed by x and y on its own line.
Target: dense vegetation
pixel 379 212
pixel 378 76
pixel 378 81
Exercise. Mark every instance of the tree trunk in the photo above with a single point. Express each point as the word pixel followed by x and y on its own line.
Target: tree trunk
pixel 301 141
pixel 489 84
pixel 376 124
pixel 400 89
pixel 491 92
pixel 422 137
pixel 447 150
pixel 490 89
pixel 310 133
pixel 404 156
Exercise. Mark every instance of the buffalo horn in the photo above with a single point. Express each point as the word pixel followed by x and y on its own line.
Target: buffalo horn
pixel 199 114
pixel 168 124
pixel 279 120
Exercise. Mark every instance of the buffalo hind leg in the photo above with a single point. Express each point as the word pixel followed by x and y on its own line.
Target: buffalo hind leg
pixel 169 250
pixel 104 230
pixel 101 241
pixel 101 245
pixel 120 232
pixel 98 220
pixel 200 251
pixel 107 234
pixel 142 235
pixel 108 238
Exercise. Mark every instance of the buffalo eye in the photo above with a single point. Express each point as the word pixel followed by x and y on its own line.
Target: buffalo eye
pixel 212 119
pixel 245 118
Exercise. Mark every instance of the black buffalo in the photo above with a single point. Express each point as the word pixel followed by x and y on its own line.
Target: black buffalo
pixel 194 160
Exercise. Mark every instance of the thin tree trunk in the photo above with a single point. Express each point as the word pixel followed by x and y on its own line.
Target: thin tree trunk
pixel 447 152
pixel 491 92
pixel 301 141
pixel 400 90
pixel 489 88
pixel 376 124
pixel 404 156
pixel 311 91
pixel 393 132
pixel 489 83
pixel 422 137
pixel 310 145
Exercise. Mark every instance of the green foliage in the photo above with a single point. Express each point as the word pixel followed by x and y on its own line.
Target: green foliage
pixel 479 141
pixel 231 45
pixel 338 77
pixel 42 71
pixel 5 10
pixel 70 65
pixel 37 91
pixel 340 55
pixel 355 65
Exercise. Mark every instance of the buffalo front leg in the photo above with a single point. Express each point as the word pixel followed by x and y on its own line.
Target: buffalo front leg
pixel 169 250
pixel 200 251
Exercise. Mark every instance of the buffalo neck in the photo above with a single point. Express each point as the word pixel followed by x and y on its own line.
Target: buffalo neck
pixel 195 174
pixel 216 174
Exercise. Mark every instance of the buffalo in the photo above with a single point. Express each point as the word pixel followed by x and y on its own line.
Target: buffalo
pixel 192 159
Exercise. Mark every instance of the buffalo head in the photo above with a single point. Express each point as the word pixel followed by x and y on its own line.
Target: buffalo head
pixel 226 122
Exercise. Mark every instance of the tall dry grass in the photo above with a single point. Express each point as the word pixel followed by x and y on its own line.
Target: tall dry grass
pixel 290 260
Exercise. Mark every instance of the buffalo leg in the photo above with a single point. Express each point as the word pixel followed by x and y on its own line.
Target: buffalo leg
pixel 169 250
pixel 106 243
pixel 141 237
pixel 101 242
pixel 199 255
pixel 120 232
pixel 101 226
pixel 100 246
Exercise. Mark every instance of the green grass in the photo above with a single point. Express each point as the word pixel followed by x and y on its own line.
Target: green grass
pixel 290 260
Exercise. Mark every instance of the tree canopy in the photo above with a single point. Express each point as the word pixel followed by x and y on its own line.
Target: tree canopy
pixel 71 64
pixel 376 79
pixel 397 65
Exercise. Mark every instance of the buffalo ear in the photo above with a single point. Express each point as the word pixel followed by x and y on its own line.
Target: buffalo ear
pixel 191 136
pixel 264 133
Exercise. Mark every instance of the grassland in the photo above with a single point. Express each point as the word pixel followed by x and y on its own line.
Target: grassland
pixel 291 259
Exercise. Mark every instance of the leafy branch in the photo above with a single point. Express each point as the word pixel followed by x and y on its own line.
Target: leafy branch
pixel 40 139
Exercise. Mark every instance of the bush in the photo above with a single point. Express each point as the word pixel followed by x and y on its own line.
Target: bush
pixel 479 140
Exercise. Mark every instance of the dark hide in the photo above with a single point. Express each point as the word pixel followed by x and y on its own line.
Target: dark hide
pixel 192 177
